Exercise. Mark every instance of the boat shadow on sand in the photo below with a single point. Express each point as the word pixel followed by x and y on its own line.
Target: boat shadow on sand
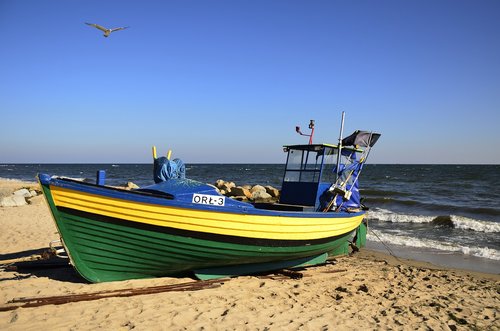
pixel 53 268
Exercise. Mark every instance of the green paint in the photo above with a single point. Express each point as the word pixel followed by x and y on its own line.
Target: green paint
pixel 102 251
pixel 248 269
pixel 361 234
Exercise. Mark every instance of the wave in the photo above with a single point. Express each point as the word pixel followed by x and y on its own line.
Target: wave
pixel 484 252
pixel 382 193
pixel 452 221
pixel 386 199
pixel 430 206
pixel 15 179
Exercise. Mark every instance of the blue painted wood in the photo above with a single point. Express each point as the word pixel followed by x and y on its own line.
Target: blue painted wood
pixel 101 177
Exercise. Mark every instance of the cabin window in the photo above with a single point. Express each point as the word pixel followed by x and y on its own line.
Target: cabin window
pixel 329 164
pixel 303 166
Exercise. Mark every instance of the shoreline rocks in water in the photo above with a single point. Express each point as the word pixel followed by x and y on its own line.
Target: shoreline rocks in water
pixel 256 193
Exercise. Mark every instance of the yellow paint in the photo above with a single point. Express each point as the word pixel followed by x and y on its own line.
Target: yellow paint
pixel 251 226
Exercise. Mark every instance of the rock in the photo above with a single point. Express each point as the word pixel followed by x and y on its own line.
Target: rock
pixel 13 201
pixel 239 191
pixel 219 183
pixel 131 186
pixel 223 185
pixel 341 289
pixel 23 193
pixel 20 201
pixel 227 186
pixel 363 288
pixel 38 200
pixel 258 188
pixel 274 192
pixel 261 196
pixel 7 202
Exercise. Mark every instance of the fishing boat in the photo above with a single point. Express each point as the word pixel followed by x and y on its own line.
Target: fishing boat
pixel 178 225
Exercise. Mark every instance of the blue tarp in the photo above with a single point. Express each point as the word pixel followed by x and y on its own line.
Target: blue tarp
pixel 165 169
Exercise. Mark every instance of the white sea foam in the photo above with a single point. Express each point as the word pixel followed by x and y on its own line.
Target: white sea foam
pixel 484 252
pixel 459 222
pixel 385 215
pixel 8 179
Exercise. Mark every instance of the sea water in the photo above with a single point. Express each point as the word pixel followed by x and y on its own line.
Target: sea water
pixel 451 212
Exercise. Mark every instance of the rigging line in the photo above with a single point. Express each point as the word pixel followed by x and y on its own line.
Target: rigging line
pixel 385 245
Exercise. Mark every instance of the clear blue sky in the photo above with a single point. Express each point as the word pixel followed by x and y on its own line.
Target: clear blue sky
pixel 228 81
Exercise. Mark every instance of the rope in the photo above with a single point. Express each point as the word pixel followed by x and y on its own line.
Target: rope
pixel 35 257
pixel 385 245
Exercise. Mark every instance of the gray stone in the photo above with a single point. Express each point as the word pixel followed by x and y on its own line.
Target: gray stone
pixel 7 202
pixel 240 191
pixel 23 193
pixel 227 187
pixel 131 186
pixel 261 196
pixel 219 183
pixel 13 201
pixel 274 192
pixel 258 188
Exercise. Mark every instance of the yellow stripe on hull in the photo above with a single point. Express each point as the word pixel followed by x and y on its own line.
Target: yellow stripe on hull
pixel 221 223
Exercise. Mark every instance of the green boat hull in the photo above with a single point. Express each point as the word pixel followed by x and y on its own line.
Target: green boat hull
pixel 104 249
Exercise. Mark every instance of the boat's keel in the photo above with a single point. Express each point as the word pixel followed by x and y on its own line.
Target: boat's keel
pixel 248 269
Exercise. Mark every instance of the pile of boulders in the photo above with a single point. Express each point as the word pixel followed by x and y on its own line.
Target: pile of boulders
pixel 256 193
pixel 20 197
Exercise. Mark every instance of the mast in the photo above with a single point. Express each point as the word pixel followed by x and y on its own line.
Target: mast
pixel 340 147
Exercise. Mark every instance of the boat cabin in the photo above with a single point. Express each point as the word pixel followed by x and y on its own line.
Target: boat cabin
pixel 309 172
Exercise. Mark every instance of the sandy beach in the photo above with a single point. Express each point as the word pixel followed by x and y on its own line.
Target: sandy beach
pixel 368 290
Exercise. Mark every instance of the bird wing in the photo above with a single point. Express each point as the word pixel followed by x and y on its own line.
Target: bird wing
pixel 122 28
pixel 97 26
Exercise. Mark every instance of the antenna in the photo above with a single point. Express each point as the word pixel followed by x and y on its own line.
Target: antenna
pixel 311 126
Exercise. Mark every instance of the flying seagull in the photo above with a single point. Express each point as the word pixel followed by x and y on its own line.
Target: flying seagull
pixel 107 32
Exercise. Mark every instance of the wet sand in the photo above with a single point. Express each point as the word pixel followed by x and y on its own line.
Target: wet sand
pixel 368 290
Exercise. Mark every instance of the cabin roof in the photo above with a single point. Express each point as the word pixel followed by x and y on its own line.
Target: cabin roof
pixel 317 147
